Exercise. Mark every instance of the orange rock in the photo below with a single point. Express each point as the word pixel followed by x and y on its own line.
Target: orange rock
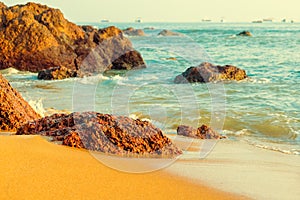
pixel 34 37
pixel 14 110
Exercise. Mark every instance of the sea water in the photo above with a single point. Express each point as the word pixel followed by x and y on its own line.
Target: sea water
pixel 264 109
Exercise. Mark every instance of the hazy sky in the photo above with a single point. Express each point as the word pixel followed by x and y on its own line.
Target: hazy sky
pixel 172 10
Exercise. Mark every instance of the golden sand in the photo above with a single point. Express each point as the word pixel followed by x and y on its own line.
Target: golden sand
pixel 32 168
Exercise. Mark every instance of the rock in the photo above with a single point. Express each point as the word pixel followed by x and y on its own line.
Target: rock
pixel 171 58
pixel 104 133
pixel 109 47
pixel 125 61
pixel 34 37
pixel 207 72
pixel 14 110
pixel 149 28
pixel 168 33
pixel 56 73
pixel 245 33
pixel 134 32
pixel 203 132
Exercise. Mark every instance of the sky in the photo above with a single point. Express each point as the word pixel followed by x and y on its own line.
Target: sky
pixel 172 10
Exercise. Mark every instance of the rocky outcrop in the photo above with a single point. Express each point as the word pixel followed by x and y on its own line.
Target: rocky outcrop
pixel 245 33
pixel 56 73
pixel 207 72
pixel 203 132
pixel 168 33
pixel 104 133
pixel 14 110
pixel 34 37
pixel 134 32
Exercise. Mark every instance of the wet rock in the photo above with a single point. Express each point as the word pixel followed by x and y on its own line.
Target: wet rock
pixel 56 73
pixel 169 33
pixel 207 72
pixel 134 32
pixel 245 33
pixel 34 37
pixel 14 110
pixel 125 61
pixel 203 132
pixel 104 133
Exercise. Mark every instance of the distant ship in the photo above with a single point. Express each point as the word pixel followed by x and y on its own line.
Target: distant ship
pixel 257 21
pixel 283 21
pixel 138 20
pixel 104 20
pixel 206 20
pixel 268 20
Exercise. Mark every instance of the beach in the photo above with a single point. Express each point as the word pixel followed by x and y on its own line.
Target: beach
pixel 147 110
pixel 32 168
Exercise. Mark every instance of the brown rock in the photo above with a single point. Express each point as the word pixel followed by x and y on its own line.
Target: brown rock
pixel 245 33
pixel 34 37
pixel 56 73
pixel 207 72
pixel 14 110
pixel 127 60
pixel 134 32
pixel 168 33
pixel 104 133
pixel 203 132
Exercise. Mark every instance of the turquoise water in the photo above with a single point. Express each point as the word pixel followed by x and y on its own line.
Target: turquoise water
pixel 264 109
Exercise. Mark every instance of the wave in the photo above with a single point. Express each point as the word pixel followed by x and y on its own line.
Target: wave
pixel 275 147
pixel 38 106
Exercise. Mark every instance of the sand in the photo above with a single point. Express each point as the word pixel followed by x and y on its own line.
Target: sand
pixel 32 168
pixel 236 166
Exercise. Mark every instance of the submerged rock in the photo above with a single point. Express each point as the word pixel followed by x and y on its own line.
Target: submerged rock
pixel 14 110
pixel 134 32
pixel 203 132
pixel 207 72
pixel 169 33
pixel 245 33
pixel 104 133
pixel 34 37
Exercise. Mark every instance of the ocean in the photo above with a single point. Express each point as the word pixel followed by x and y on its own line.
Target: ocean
pixel 263 110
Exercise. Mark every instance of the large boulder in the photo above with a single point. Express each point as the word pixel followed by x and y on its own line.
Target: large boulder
pixel 104 133
pixel 203 132
pixel 34 37
pixel 134 32
pixel 14 110
pixel 207 72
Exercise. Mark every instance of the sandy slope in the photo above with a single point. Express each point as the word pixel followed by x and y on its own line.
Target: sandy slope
pixel 32 168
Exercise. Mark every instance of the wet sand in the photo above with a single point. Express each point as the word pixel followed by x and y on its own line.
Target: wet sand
pixel 241 168
pixel 32 168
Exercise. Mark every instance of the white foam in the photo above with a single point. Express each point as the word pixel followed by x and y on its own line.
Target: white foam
pixel 38 106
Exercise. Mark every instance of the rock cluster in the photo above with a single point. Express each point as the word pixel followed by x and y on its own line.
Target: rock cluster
pixel 34 37
pixel 168 33
pixel 203 132
pixel 134 32
pixel 207 72
pixel 14 110
pixel 104 133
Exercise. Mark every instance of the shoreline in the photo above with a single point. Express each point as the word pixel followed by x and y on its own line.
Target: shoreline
pixel 33 168
pixel 244 169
